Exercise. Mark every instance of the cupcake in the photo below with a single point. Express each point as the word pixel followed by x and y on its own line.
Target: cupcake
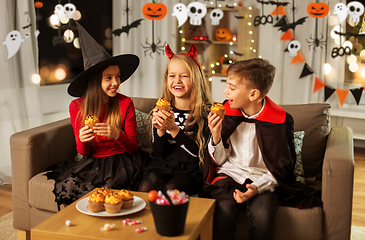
pixel 218 109
pixel 127 197
pixel 113 203
pixel 91 120
pixel 105 191
pixel 163 104
pixel 96 202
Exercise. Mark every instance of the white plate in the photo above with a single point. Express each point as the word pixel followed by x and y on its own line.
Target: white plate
pixel 138 205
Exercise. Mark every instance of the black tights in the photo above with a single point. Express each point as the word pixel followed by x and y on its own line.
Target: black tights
pixel 183 182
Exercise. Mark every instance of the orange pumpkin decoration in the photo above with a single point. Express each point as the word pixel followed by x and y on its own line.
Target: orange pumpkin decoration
pixel 154 11
pixel 318 10
pixel 223 34
pixel 38 4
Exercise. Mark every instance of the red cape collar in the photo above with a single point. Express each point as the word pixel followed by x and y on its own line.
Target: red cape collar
pixel 271 113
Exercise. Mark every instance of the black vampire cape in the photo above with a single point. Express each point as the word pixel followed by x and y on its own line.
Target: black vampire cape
pixel 274 132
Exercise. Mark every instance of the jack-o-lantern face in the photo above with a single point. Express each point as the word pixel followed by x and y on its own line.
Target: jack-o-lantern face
pixel 38 4
pixel 318 10
pixel 223 34
pixel 154 11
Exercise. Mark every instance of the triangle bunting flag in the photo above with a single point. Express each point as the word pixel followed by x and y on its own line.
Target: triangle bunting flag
pixel 306 71
pixel 282 22
pixel 278 11
pixel 288 35
pixel 356 93
pixel 318 84
pixel 328 92
pixel 298 59
pixel 342 94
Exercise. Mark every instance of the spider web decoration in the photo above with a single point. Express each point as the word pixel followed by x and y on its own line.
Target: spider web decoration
pixel 126 28
pixel 153 47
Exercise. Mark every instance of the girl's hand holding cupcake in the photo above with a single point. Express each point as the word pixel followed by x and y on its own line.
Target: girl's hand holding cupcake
pixel 164 120
pixel 86 134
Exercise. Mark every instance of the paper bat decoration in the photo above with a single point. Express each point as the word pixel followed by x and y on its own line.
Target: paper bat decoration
pixel 58 40
pixel 356 35
pixel 279 3
pixel 240 17
pixel 227 6
pixel 126 28
pixel 237 53
pixel 25 27
pixel 263 2
pixel 292 25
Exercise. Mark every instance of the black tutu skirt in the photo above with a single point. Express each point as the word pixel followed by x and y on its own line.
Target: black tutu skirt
pixel 76 178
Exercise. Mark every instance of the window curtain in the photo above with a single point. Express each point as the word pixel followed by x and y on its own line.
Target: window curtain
pixel 20 106
pixel 147 81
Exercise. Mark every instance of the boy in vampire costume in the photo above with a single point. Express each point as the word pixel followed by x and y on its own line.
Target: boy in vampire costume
pixel 251 156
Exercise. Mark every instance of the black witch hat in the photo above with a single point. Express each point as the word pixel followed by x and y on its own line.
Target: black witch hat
pixel 95 59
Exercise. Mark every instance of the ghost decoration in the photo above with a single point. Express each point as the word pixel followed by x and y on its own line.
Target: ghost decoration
pixel 355 9
pixel 12 42
pixel 70 9
pixel 341 12
pixel 216 15
pixel 196 11
pixel 181 13
pixel 59 11
pixel 293 47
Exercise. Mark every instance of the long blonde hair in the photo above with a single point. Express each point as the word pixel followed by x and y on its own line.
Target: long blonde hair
pixel 92 103
pixel 200 97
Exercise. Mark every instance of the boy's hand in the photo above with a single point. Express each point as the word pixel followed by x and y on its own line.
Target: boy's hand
pixel 215 126
pixel 241 197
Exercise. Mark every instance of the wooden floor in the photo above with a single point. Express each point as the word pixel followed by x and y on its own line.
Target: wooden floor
pixel 358 212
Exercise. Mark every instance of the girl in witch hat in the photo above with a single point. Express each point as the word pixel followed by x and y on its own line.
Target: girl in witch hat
pixel 179 134
pixel 104 125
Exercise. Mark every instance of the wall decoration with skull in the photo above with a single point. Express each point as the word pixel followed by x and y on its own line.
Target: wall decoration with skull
pixel 355 9
pixel 196 11
pixel 293 47
pixel 216 15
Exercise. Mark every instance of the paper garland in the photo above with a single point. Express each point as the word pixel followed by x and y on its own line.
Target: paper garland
pixel 318 84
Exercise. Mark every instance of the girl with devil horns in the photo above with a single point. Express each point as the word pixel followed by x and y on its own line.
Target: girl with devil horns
pixel 179 135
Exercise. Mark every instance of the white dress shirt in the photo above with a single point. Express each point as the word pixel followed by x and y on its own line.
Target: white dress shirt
pixel 243 158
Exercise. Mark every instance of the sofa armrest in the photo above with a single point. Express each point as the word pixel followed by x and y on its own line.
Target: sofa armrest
pixel 33 151
pixel 337 183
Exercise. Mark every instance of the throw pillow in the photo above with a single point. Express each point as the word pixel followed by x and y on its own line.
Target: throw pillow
pixel 298 144
pixel 144 128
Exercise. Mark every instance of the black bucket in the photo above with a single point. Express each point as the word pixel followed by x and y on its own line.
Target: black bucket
pixel 169 219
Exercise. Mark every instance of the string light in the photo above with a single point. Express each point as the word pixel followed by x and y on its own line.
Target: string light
pixel 36 79
pixel 363 72
pixel 183 39
pixel 351 59
pixel 249 23
pixel 353 67
pixel 326 68
pixel 181 31
pixel 183 48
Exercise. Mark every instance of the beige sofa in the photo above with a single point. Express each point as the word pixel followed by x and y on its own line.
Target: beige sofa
pixel 327 155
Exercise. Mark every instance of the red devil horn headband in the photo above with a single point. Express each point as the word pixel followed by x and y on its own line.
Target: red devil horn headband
pixel 191 53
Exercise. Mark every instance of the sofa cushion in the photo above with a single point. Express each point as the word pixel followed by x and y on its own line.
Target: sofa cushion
pixel 40 193
pixel 298 144
pixel 290 223
pixel 144 129
pixel 144 104
pixel 314 120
